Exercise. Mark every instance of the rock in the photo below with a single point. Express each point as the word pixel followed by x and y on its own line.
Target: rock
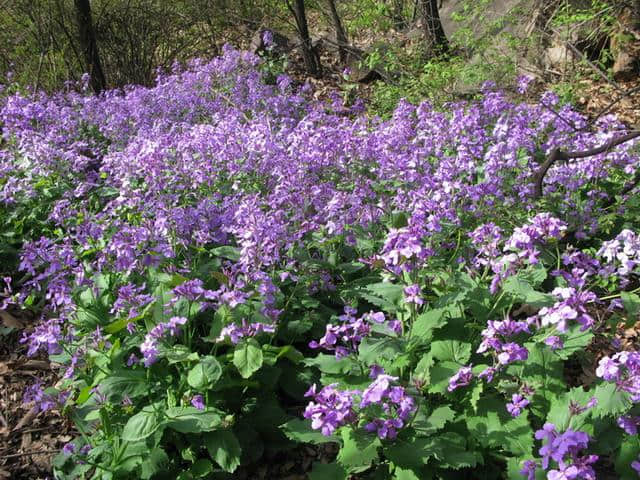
pixel 625 47
pixel 281 43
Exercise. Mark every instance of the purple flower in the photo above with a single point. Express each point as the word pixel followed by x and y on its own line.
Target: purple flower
pixel 512 352
pixel 198 402
pixel 69 448
pixel 517 404
pixel 629 424
pixel 375 371
pixel 412 295
pixel 554 342
pixel 529 469
pixel 462 378
pixel 378 389
pixel 330 409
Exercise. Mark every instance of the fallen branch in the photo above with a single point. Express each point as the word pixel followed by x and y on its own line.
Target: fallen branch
pixel 559 155
pixel 24 454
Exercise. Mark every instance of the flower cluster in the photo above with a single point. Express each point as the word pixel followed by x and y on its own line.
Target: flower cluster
pixel 351 332
pixel 623 368
pixel 330 408
pixel 149 348
pixel 397 407
pixel 565 450
pixel 622 255
pixel 570 306
pixel 386 408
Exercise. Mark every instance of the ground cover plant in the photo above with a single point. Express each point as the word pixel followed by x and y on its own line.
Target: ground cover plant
pixel 225 266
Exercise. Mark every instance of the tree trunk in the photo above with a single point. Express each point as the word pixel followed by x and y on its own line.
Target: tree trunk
pixel 435 37
pixel 89 45
pixel 635 13
pixel 341 36
pixel 309 55
pixel 397 12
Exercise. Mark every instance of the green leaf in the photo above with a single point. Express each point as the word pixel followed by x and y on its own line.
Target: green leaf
pixel 142 425
pixel 559 413
pixel 179 354
pixel 205 374
pixel 404 474
pixel 358 449
pixel 451 350
pixel 155 462
pixel 300 430
pixel 429 321
pixel 631 303
pixel 228 252
pixel 411 454
pixel 440 375
pixel 611 400
pixel 132 383
pixel 192 420
pixel 435 421
pixel 522 290
pixel 492 426
pixel 629 451
pixel 327 471
pixel 248 358
pixel 201 468
pixel 574 342
pixel 224 448
pixel 372 350
pixel 330 364
pixel 544 371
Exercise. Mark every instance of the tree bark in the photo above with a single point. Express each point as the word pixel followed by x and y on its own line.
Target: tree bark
pixel 435 37
pixel 341 36
pixel 309 55
pixel 89 45
pixel 635 14
pixel 397 12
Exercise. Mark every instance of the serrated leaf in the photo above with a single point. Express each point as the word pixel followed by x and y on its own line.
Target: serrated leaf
pixel 559 413
pixel 330 364
pixel 224 448
pixel 440 375
pixel 429 424
pixel 228 252
pixel 404 474
pixel 492 426
pixel 451 350
pixel 358 449
pixel 429 321
pixel 575 341
pixel 522 290
pixel 611 401
pixel 372 350
pixel 201 468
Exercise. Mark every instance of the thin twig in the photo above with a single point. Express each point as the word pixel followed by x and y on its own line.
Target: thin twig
pixel 24 454
pixel 557 154
pixel 608 108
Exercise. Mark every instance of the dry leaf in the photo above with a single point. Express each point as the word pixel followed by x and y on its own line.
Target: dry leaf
pixel 28 418
pixel 9 320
